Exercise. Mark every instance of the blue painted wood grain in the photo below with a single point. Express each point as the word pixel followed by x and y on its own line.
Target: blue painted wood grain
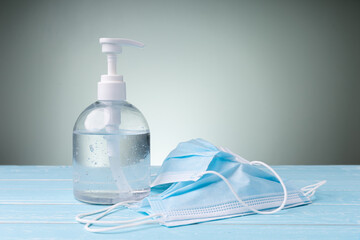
pixel 36 202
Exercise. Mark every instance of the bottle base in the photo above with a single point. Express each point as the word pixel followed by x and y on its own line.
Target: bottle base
pixel 109 197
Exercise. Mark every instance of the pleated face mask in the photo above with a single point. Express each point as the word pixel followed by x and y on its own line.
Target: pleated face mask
pixel 200 182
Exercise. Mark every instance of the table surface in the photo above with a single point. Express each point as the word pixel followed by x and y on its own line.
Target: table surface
pixel 36 202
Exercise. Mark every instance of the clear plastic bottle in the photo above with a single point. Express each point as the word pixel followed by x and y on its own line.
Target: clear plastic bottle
pixel 111 162
pixel 111 141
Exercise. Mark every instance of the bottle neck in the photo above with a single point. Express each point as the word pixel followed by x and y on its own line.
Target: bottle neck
pixel 111 90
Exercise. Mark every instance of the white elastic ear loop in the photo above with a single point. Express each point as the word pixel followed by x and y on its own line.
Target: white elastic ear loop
pixel 80 217
pixel 126 223
pixel 310 190
pixel 105 229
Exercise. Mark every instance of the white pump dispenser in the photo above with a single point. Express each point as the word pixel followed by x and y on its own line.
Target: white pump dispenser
pixel 112 87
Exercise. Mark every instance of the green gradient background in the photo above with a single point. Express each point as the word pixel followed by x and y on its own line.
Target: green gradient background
pixel 275 81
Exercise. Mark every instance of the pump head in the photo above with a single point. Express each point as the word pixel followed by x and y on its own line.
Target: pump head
pixel 112 86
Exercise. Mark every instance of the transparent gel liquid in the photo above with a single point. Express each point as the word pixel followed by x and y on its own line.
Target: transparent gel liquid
pixel 95 180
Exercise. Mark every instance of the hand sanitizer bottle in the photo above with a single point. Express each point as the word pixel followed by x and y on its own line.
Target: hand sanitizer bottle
pixel 111 141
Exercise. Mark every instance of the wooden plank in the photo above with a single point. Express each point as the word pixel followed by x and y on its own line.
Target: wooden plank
pixel 203 231
pixel 44 184
pixel 310 214
pixel 35 172
pixel 41 172
pixel 60 196
pixel 331 172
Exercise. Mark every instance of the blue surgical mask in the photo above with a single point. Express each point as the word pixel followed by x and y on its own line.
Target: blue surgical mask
pixel 202 182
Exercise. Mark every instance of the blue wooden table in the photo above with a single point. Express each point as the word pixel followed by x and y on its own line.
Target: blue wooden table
pixel 36 202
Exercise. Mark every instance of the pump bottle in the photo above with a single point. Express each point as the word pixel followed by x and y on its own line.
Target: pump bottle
pixel 111 141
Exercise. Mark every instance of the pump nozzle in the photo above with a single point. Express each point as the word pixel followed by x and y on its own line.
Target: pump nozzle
pixel 112 86
pixel 114 45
